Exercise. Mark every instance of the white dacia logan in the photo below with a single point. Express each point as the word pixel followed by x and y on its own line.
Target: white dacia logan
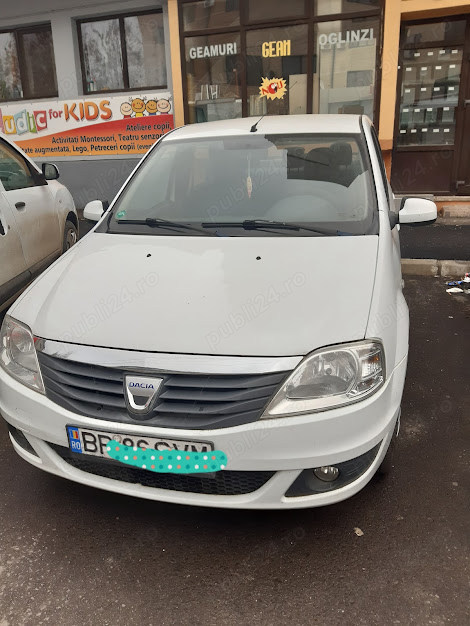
pixel 232 332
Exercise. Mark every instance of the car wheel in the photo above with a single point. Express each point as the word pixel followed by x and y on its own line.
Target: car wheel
pixel 388 461
pixel 70 235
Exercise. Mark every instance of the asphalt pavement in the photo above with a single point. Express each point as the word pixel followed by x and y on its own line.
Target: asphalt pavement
pixel 438 241
pixel 72 555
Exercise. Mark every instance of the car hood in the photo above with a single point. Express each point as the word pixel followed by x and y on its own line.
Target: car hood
pixel 249 296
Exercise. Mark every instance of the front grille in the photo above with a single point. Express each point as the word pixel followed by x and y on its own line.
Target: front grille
pixel 223 483
pixel 193 401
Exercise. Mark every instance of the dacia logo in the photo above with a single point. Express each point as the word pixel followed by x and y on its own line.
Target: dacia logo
pixel 142 385
pixel 141 394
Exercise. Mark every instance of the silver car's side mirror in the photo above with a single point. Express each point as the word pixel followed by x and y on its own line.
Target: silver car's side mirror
pixel 417 211
pixel 50 171
pixel 93 210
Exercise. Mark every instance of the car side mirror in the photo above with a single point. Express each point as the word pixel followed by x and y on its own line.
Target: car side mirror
pixel 94 210
pixel 50 171
pixel 417 211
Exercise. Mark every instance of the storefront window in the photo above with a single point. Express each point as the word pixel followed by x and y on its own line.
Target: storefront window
pixel 262 10
pixel 429 96
pixel 214 14
pixel 213 68
pixel 330 7
pixel 346 60
pixel 279 57
pixel 27 70
pixel 123 52
pixel 277 70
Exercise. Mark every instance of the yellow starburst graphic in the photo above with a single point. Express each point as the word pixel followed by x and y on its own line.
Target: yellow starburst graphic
pixel 273 88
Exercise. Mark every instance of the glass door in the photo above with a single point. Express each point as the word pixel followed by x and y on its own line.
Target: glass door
pixel 429 103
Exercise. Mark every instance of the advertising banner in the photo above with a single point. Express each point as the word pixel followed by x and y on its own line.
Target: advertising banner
pixel 93 126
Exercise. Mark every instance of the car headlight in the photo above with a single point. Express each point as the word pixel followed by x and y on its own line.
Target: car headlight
pixel 329 378
pixel 18 354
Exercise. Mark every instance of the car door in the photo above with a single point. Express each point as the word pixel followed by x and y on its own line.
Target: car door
pixel 13 270
pixel 28 194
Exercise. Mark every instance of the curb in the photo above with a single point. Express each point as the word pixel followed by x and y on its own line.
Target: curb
pixel 456 212
pixel 433 267
pixel 453 207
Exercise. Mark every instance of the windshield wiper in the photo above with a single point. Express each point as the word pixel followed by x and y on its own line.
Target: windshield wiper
pixel 260 224
pixel 160 222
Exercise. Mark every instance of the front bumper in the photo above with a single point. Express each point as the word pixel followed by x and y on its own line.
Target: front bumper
pixel 284 446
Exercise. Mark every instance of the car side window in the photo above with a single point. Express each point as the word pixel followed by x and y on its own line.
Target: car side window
pixel 14 169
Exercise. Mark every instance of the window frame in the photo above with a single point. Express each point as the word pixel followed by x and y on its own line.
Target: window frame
pixel 122 33
pixel 25 30
pixel 310 18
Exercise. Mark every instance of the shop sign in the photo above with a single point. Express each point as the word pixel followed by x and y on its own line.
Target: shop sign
pixel 217 50
pixel 362 34
pixel 276 48
pixel 273 88
pixel 88 127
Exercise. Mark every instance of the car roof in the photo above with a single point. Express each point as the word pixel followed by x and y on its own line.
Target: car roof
pixel 272 124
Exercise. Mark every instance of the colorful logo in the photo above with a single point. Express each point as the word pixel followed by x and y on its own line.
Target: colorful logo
pixel 273 88
pixel 23 122
pixel 26 121
pixel 143 107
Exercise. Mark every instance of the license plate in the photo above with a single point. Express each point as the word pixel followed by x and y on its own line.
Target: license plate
pixel 93 442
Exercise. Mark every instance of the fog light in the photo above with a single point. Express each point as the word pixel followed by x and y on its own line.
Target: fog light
pixel 327 473
pixel 331 477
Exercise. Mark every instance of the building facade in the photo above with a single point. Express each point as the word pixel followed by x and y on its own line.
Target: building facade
pixel 92 85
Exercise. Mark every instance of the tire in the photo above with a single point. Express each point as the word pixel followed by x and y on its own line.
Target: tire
pixel 70 235
pixel 388 461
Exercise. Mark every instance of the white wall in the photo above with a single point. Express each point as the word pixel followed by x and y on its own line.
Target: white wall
pixel 18 11
pixel 62 15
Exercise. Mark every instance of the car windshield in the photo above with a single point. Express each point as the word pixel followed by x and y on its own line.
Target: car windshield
pixel 250 185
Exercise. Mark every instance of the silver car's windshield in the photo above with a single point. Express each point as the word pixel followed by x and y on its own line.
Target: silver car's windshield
pixel 251 185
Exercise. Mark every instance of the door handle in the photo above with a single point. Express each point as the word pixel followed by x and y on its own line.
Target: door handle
pixel 20 205
pixel 466 103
